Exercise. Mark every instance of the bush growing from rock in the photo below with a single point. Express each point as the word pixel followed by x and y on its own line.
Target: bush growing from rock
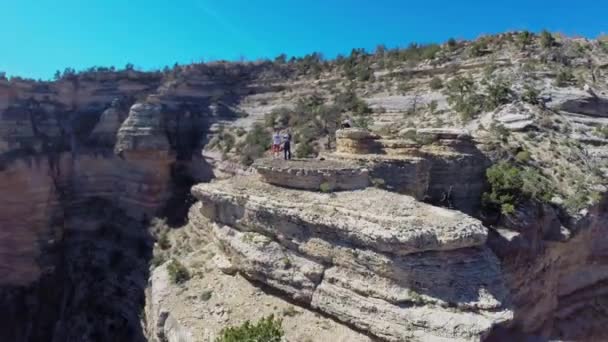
pixel 564 78
pixel 499 93
pixel 460 92
pixel 524 38
pixel 477 48
pixel 452 44
pixel 325 187
pixel 511 185
pixel 256 143
pixel 522 157
pixel 546 39
pixel 304 150
pixel 436 83
pixel 267 329
pixel 158 259
pixel 163 240
pixel 530 95
pixel 432 106
pixel 178 273
pixel 206 295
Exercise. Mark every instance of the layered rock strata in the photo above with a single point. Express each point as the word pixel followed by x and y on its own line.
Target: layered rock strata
pixel 441 166
pixel 380 261
pixel 312 174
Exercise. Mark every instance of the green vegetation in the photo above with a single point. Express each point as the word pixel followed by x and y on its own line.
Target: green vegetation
pixel 158 259
pixel 325 187
pixel 522 157
pixel 163 240
pixel 452 44
pixel 461 95
pixel 432 106
pixel 499 93
pixel 312 119
pixel 206 295
pixel 524 38
pixel 531 95
pixel 478 48
pixel 436 83
pixel 256 143
pixel 178 273
pixel 512 185
pixel 305 150
pixel 602 131
pixel 267 329
pixel 546 39
pixel 564 78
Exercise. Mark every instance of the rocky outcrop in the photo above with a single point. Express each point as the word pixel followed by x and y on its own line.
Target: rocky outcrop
pixel 357 141
pixel 313 175
pixel 355 253
pixel 444 167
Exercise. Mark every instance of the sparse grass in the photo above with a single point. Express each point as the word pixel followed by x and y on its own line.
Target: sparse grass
pixel 267 329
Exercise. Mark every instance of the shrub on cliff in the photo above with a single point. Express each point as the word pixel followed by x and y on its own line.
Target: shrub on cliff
pixel 462 96
pixel 256 143
pixel 178 272
pixel 530 95
pixel 267 329
pixel 511 185
pixel 564 78
pixel 546 39
pixel 498 93
pixel 436 83
pixel 524 38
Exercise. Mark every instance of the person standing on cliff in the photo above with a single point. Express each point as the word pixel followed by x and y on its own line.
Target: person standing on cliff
pixel 276 144
pixel 287 145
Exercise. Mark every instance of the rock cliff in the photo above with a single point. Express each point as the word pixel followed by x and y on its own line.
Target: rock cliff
pixel 380 237
pixel 406 263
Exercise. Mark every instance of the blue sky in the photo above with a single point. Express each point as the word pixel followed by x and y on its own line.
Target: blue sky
pixel 41 36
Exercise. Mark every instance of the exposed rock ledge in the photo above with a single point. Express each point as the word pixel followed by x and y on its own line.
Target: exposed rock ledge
pixel 379 261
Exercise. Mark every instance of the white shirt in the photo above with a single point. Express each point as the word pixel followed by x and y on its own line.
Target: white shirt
pixel 276 139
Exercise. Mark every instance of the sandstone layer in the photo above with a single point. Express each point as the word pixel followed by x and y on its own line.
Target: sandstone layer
pixel 358 255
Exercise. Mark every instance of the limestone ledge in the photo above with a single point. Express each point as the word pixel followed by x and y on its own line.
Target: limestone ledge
pixel 382 262
pixel 313 174
pixel 369 218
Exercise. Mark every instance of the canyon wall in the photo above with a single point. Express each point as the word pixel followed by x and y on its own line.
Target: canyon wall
pixel 85 163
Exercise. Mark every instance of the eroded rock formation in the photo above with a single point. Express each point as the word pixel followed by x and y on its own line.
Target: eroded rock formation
pixel 382 262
